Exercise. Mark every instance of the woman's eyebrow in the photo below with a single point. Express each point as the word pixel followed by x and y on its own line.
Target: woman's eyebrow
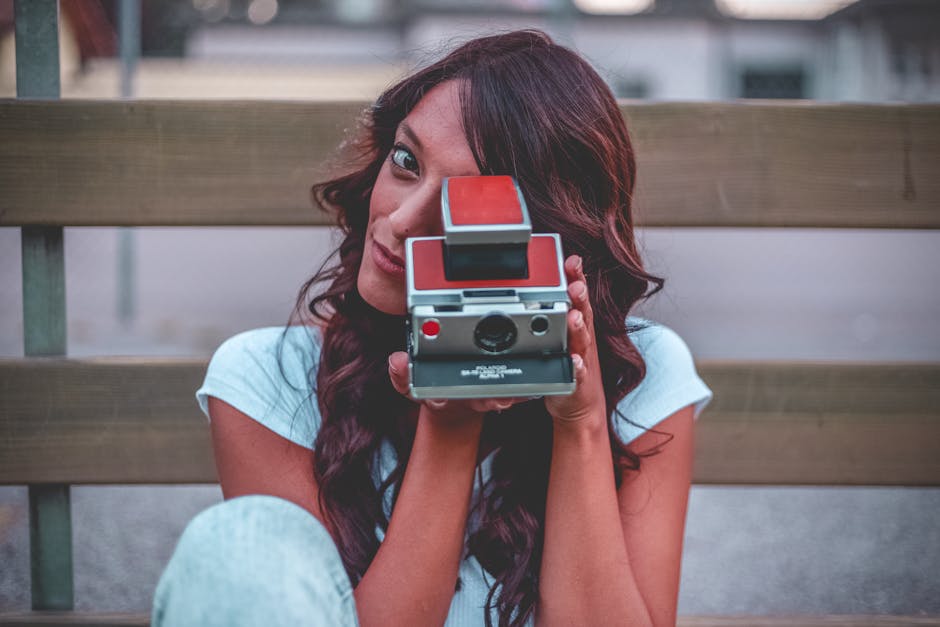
pixel 407 130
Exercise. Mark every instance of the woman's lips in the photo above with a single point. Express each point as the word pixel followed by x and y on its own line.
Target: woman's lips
pixel 387 262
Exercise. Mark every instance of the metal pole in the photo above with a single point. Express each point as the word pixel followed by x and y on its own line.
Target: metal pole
pixel 563 18
pixel 50 547
pixel 37 48
pixel 129 42
pixel 50 525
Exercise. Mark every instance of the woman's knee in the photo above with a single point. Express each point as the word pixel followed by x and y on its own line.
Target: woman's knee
pixel 254 557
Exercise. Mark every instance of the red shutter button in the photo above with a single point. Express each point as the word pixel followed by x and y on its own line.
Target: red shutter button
pixel 431 328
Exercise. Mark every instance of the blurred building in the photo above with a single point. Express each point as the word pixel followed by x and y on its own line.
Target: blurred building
pixel 868 50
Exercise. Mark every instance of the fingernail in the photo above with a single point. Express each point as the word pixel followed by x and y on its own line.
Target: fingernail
pixel 578 362
pixel 391 366
pixel 581 291
pixel 578 263
pixel 578 320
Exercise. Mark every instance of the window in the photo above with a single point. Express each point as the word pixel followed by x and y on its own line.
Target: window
pixel 630 88
pixel 773 83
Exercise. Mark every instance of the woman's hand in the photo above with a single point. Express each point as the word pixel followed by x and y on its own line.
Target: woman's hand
pixel 587 403
pixel 398 373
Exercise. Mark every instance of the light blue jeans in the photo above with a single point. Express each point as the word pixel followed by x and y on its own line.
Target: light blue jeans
pixel 254 560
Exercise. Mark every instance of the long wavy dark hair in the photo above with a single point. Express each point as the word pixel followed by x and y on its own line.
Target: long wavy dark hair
pixel 537 111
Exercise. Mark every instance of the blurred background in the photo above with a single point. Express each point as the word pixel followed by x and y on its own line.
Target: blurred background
pixel 783 294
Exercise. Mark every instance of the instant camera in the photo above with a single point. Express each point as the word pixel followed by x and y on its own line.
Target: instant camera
pixel 488 301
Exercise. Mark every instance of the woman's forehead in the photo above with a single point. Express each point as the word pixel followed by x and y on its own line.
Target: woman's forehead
pixel 435 126
pixel 438 113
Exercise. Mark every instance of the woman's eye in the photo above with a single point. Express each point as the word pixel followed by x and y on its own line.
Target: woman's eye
pixel 403 158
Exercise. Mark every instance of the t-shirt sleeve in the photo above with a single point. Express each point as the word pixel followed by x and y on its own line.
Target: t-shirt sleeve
pixel 671 383
pixel 267 374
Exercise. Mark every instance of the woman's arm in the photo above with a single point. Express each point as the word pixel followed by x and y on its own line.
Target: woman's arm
pixel 411 581
pixel 252 459
pixel 612 557
pixel 609 558
pixel 413 577
pixel 653 507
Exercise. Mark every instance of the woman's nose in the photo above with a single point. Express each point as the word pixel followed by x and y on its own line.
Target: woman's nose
pixel 417 215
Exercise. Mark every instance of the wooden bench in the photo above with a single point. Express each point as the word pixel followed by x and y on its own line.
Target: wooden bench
pixel 68 421
pixel 133 421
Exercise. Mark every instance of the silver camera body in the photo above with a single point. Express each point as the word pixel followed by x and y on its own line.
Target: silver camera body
pixel 488 301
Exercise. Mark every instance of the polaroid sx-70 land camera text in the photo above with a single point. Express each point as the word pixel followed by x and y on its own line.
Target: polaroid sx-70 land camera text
pixel 488 301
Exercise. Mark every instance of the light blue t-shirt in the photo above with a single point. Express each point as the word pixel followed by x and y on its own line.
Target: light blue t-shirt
pixel 270 381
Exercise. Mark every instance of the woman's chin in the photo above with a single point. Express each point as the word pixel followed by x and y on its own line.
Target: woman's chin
pixel 386 307
pixel 383 299
pixel 380 290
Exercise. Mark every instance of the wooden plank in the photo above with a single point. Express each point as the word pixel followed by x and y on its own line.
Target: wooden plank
pixel 72 619
pixel 807 621
pixel 252 163
pixel 165 163
pixel 135 421
pixel 103 421
pixel 143 620
pixel 795 165
pixel 819 423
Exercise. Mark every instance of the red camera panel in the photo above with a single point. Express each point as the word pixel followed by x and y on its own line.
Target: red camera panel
pixel 429 267
pixel 483 200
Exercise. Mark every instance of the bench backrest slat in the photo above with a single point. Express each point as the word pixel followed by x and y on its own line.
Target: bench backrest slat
pixel 175 163
pixel 136 421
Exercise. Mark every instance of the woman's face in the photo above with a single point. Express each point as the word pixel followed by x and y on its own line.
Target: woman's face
pixel 406 199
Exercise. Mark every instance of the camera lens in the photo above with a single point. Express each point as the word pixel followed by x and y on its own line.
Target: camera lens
pixel 538 325
pixel 495 333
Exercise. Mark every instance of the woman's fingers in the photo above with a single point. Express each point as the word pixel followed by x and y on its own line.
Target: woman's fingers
pixel 577 288
pixel 580 336
pixel 580 329
pixel 588 396
pixel 398 371
pixel 580 316
pixel 484 405
pixel 500 404
pixel 398 374
pixel 478 405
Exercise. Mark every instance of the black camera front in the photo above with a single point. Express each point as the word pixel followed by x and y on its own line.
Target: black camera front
pixel 501 261
pixel 495 333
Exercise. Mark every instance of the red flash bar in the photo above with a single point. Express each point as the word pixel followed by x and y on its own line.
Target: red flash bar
pixel 429 267
pixel 483 200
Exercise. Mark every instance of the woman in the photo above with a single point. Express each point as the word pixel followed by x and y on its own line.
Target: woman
pixel 567 510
